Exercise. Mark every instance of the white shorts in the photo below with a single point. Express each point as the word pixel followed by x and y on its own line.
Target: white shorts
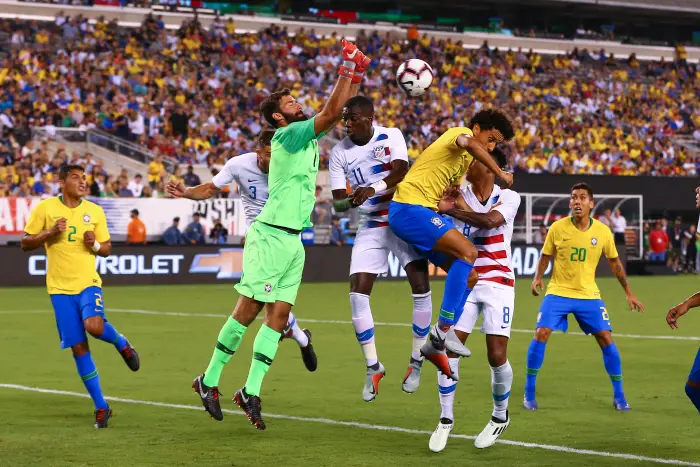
pixel 495 302
pixel 370 253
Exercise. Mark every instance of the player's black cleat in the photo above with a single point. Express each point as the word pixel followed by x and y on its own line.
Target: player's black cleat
pixel 251 406
pixel 131 358
pixel 209 396
pixel 308 354
pixel 102 417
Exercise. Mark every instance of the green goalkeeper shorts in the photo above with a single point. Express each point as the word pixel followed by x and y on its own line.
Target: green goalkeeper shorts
pixel 273 261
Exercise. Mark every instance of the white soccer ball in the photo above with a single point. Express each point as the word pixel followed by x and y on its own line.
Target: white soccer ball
pixel 414 77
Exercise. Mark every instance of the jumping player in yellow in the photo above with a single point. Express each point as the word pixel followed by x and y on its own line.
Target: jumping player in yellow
pixel 414 218
pixel 577 243
pixel 73 231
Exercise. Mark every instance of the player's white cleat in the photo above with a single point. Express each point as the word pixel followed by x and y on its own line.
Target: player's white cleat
pixel 412 379
pixel 438 440
pixel 371 389
pixel 493 430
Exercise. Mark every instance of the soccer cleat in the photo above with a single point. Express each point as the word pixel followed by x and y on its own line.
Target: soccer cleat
pixel 530 404
pixel 209 396
pixel 371 389
pixel 412 379
pixel 454 345
pixel 621 404
pixel 131 358
pixel 102 417
pixel 308 355
pixel 251 405
pixel 490 434
pixel 438 440
pixel 434 351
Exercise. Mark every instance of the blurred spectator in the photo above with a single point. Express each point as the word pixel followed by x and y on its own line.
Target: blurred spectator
pixel 337 237
pixel 191 178
pixel 691 250
pixel 322 208
pixel 136 185
pixel 658 244
pixel 675 235
pixel 155 170
pixel 618 226
pixel 172 235
pixel 218 234
pixel 122 189
pixel 540 235
pixel 97 187
pixel 194 233
pixel 136 231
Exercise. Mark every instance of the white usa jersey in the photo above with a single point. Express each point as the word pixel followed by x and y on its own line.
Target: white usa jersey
pixel 361 166
pixel 493 262
pixel 251 181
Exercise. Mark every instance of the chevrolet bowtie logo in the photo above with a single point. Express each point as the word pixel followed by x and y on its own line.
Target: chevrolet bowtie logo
pixel 227 263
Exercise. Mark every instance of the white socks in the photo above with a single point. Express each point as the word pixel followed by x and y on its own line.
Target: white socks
pixel 297 334
pixel 501 382
pixel 447 387
pixel 363 323
pixel 422 316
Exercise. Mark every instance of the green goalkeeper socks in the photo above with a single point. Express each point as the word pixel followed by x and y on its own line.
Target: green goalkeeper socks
pixel 264 349
pixel 230 338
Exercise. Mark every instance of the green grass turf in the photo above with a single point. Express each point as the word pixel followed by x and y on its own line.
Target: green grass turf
pixel 573 389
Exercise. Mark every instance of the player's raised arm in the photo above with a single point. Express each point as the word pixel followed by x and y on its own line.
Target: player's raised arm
pixel 353 59
pixel 480 153
pixel 177 189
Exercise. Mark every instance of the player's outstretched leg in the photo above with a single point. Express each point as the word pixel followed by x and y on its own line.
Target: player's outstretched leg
pixel 446 388
pixel 303 338
pixel 91 380
pixel 422 316
pixel 535 358
pixel 121 343
pixel 363 322
pixel 613 365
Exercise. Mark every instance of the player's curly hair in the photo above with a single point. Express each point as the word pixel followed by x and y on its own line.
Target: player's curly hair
pixel 265 137
pixel 271 105
pixel 489 119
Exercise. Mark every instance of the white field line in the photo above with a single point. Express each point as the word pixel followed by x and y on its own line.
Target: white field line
pixel 367 426
pixel 331 321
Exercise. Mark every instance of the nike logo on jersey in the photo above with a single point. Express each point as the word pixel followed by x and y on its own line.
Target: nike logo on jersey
pixel 251 181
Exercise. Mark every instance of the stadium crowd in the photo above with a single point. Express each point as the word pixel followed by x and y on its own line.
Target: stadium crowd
pixel 192 96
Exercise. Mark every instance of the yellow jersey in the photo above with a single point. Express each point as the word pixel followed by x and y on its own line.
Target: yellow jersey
pixel 71 264
pixel 442 164
pixel 576 255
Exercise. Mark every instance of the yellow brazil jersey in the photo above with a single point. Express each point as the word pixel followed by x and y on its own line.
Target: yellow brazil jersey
pixel 442 164
pixel 576 255
pixel 71 264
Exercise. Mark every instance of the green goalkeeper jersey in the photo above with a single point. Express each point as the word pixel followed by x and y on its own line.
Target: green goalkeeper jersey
pixel 292 178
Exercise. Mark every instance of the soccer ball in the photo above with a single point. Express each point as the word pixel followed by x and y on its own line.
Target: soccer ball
pixel 414 77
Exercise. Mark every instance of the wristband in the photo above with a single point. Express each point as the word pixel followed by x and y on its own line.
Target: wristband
pixel 378 186
pixel 357 77
pixel 346 72
pixel 349 64
pixel 96 246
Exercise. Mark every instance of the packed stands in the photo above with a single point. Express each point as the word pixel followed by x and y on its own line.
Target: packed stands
pixel 192 95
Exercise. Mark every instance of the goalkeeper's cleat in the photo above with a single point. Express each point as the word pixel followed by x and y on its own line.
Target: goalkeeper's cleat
pixel 371 388
pixel 252 407
pixel 412 379
pixel 102 417
pixel 209 396
pixel 308 354
pixel 438 440
pixel 490 434
pixel 131 358
pixel 530 404
pixel 434 351
pixel 620 404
